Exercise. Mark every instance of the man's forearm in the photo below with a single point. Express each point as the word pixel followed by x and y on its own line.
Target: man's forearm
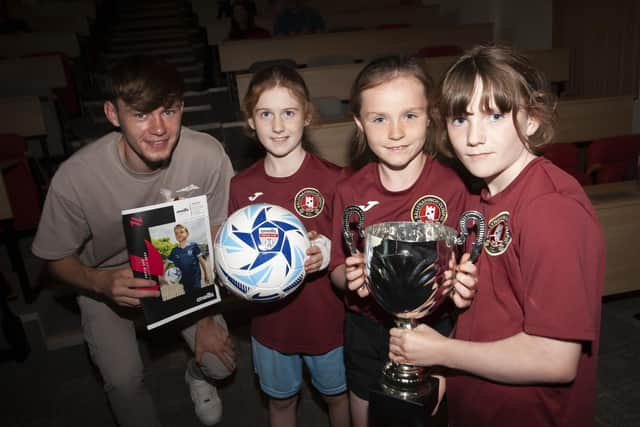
pixel 71 271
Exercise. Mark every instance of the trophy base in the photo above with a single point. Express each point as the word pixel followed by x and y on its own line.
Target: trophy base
pixel 390 407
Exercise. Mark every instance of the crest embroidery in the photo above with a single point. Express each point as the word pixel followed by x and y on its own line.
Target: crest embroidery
pixel 429 208
pixel 308 203
pixel 498 234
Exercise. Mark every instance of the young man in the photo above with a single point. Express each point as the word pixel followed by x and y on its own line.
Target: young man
pixel 151 159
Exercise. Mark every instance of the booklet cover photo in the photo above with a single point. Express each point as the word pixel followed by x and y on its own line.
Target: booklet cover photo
pixel 171 244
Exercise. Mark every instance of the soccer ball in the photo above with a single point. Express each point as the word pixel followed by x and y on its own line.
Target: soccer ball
pixel 173 275
pixel 259 252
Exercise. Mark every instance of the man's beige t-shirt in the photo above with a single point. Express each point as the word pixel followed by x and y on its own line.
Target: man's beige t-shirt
pixel 82 211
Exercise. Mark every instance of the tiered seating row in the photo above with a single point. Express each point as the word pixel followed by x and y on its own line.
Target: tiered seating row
pixel 336 80
pixel 239 55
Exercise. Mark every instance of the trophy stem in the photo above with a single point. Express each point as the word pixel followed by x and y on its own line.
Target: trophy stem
pixel 405 323
pixel 404 381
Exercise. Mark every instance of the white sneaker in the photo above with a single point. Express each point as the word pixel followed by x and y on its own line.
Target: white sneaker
pixel 206 400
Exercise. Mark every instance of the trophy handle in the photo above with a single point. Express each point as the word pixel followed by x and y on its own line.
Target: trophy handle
pixel 348 212
pixel 481 232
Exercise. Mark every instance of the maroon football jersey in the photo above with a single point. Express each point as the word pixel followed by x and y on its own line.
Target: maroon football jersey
pixel 542 273
pixel 311 319
pixel 437 195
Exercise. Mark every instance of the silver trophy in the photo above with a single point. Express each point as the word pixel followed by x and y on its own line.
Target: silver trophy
pixel 405 264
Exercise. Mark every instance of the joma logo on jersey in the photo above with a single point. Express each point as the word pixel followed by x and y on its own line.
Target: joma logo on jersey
pixel 254 196
pixel 370 204
pixel 429 209
pixel 499 234
pixel 308 203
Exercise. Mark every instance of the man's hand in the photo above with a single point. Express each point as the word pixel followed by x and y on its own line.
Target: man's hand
pixel 212 338
pixel 120 286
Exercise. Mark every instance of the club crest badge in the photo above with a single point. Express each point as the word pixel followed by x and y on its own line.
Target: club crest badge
pixel 429 208
pixel 268 237
pixel 308 202
pixel 498 234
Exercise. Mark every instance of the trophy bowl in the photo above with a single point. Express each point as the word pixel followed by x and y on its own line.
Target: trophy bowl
pixel 404 265
pixel 404 269
pixel 405 262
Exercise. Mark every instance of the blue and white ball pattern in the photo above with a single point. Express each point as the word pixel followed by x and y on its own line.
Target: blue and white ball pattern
pixel 173 275
pixel 260 252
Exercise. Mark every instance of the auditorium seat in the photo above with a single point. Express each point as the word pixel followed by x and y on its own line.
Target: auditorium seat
pixel 67 96
pixel 214 129
pixel 329 108
pixel 260 65
pixel 318 61
pixel 613 159
pixel 242 149
pixel 567 157
pixel 22 189
pixel 439 50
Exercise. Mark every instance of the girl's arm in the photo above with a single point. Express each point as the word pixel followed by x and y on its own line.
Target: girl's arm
pixel 519 359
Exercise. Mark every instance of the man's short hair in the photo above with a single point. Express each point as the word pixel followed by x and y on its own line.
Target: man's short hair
pixel 145 83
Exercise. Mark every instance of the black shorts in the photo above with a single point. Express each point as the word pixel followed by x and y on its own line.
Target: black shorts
pixel 366 350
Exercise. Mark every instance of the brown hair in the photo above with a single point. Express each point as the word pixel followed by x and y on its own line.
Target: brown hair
pixel 509 80
pixel 375 73
pixel 145 83
pixel 276 76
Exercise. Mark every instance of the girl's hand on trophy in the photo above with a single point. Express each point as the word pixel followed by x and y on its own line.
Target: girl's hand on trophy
pixel 462 280
pixel 354 273
pixel 418 346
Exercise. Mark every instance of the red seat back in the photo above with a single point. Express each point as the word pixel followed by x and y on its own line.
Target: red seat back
pixel 567 158
pixel 22 190
pixel 613 159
